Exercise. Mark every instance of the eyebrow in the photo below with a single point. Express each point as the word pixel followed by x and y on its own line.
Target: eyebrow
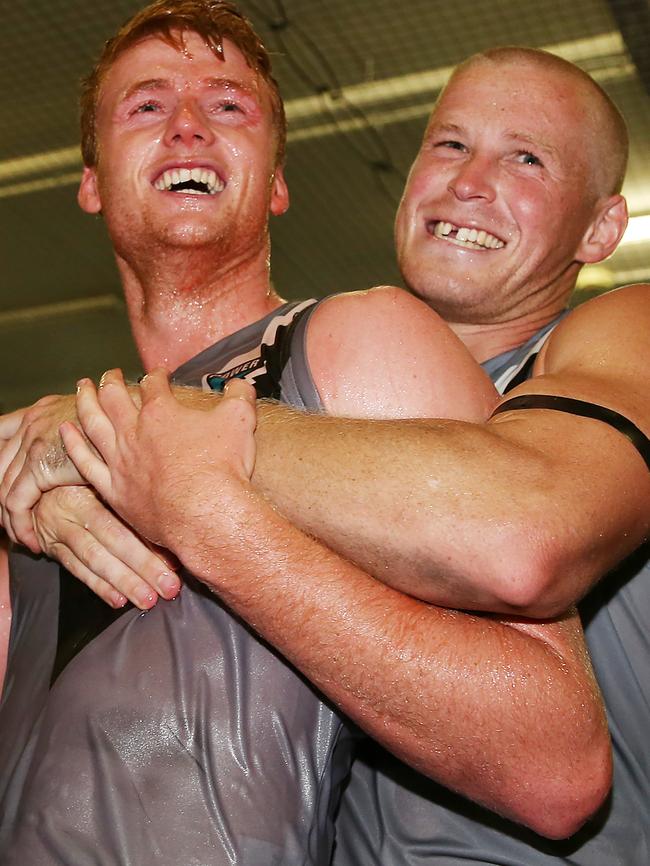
pixel 435 126
pixel 146 86
pixel 518 137
pixel 537 143
pixel 154 84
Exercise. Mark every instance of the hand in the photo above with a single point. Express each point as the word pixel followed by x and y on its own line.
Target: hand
pixel 32 460
pixel 73 527
pixel 163 462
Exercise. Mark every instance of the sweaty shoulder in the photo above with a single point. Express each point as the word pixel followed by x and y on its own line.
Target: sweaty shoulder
pixel 382 353
pixel 601 353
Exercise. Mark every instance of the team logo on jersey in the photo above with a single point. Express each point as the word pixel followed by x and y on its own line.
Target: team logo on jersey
pixel 247 370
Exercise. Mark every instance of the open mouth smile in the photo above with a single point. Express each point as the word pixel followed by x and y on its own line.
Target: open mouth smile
pixel 189 181
pixel 462 236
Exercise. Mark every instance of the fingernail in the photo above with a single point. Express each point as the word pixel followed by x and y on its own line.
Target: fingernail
pixel 168 584
pixel 118 600
pixel 145 598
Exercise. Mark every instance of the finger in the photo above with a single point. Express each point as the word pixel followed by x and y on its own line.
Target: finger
pixel 91 467
pixel 74 518
pixel 238 389
pixel 93 581
pixel 98 568
pixel 10 471
pixel 17 512
pixel 116 401
pixel 8 450
pixel 10 423
pixel 22 487
pixel 155 385
pixel 144 572
pixel 238 412
pixel 93 419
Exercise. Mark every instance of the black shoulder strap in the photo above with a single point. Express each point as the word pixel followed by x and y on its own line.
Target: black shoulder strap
pixel 585 409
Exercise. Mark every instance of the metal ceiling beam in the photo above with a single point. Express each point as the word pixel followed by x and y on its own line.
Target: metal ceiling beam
pixel 29 315
pixel 633 19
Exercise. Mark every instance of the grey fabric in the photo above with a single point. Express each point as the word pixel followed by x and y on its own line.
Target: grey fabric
pixel 178 737
pixel 390 814
pixel 34 604
pixel 297 383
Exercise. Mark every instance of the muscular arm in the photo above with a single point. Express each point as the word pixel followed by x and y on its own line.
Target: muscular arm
pixel 506 712
pixel 521 514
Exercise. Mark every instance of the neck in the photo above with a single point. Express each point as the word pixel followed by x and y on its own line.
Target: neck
pixel 486 341
pixel 190 300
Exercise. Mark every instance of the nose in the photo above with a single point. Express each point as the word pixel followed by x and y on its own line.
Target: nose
pixel 473 179
pixel 187 125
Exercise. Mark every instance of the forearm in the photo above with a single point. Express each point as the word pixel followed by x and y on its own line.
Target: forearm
pixel 462 515
pixel 461 698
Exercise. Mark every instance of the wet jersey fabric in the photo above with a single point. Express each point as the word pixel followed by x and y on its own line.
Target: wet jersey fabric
pixel 390 814
pixel 175 736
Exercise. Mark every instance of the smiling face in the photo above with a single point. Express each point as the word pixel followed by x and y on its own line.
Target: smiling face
pixel 500 204
pixel 186 153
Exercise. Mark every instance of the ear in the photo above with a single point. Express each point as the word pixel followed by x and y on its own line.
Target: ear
pixel 88 195
pixel 605 231
pixel 279 193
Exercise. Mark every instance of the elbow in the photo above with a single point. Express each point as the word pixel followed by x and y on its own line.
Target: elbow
pixel 530 576
pixel 570 797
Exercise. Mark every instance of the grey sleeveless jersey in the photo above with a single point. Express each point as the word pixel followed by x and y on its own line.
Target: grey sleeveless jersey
pixel 391 815
pixel 176 736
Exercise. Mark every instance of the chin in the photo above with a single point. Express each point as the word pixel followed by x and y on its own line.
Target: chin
pixel 450 294
pixel 190 235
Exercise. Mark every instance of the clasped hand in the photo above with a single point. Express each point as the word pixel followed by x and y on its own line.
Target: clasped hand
pixel 154 467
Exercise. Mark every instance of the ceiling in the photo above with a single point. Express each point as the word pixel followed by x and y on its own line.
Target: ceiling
pixel 358 77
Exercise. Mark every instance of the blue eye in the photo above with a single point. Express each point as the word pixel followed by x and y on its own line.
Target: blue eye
pixel 529 158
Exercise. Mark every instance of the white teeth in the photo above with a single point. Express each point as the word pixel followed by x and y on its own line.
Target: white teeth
pixel 205 176
pixel 469 237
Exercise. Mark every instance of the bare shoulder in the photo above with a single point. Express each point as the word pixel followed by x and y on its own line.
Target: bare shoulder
pixel 601 352
pixel 612 327
pixel 383 353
